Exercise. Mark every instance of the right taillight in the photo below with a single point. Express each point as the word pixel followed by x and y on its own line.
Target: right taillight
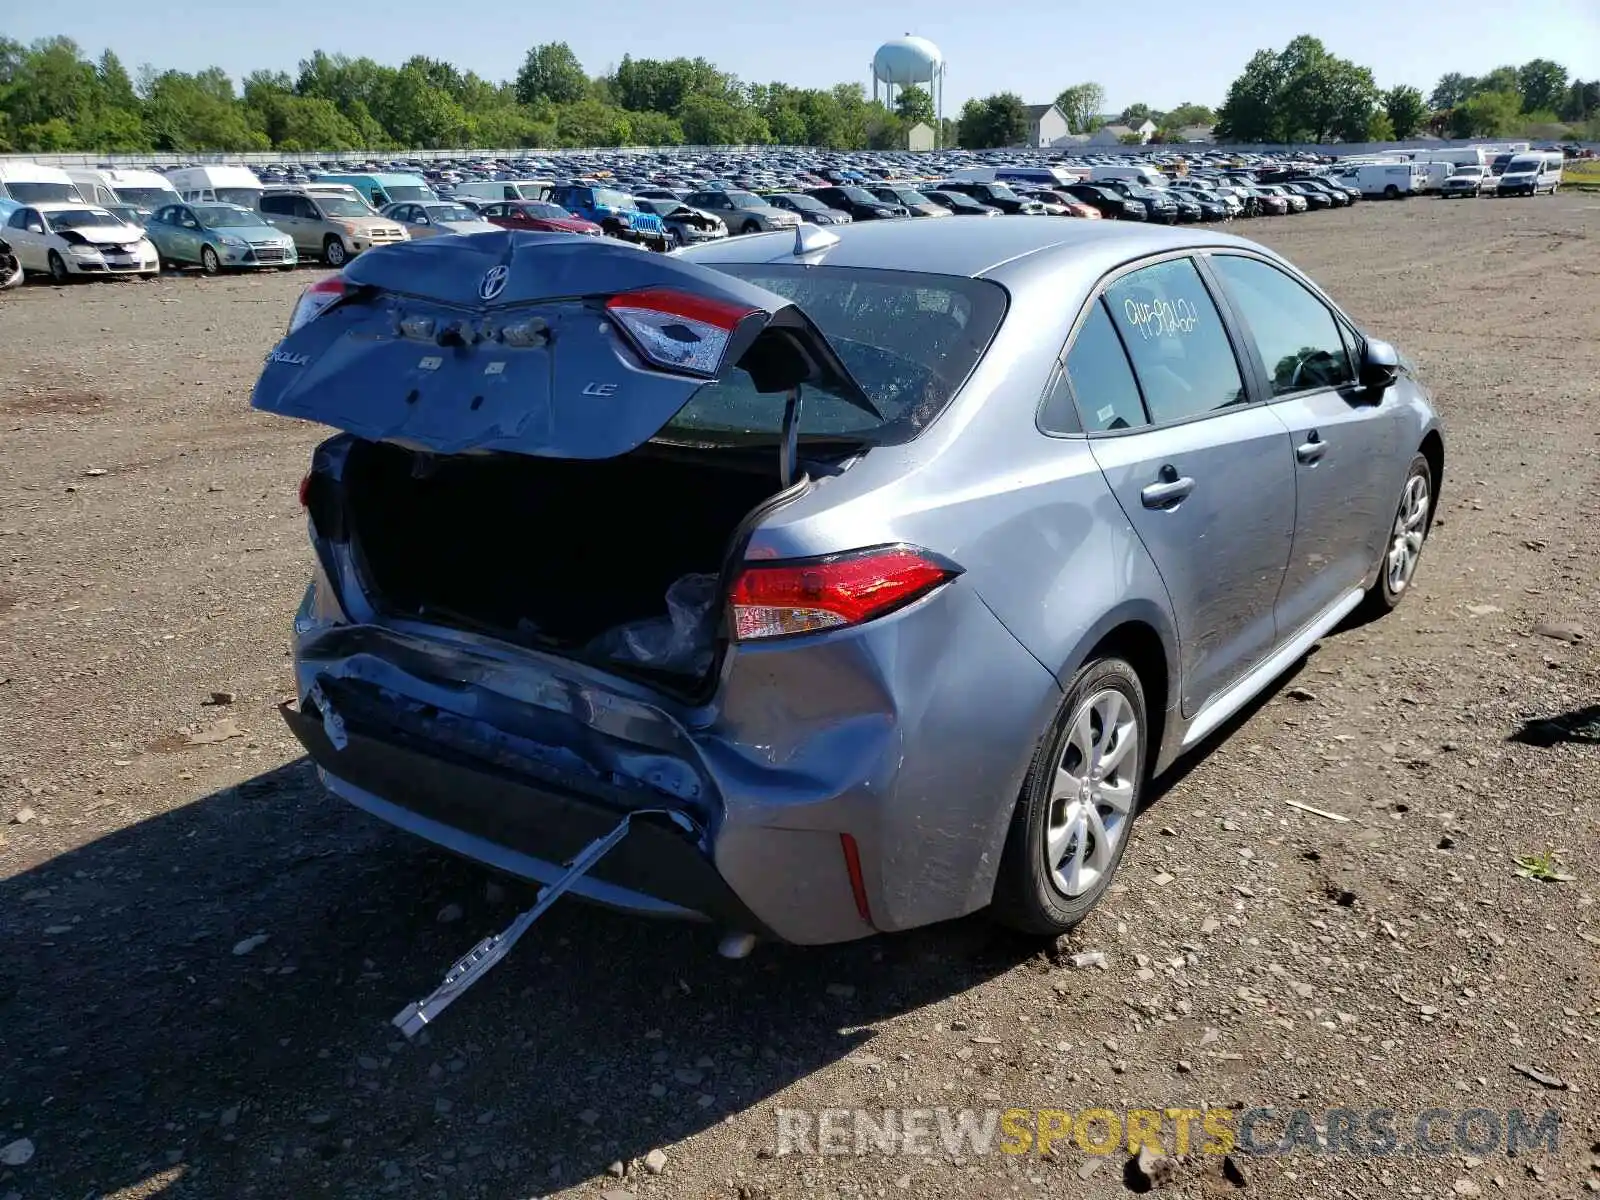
pixel 839 590
pixel 317 299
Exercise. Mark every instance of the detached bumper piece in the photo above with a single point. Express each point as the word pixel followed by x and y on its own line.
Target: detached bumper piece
pixel 478 961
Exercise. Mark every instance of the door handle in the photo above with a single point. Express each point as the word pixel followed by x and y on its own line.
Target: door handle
pixel 1170 489
pixel 1312 449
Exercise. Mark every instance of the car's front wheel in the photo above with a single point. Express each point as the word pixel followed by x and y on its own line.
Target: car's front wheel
pixel 1078 803
pixel 334 253
pixel 58 268
pixel 209 262
pixel 1412 521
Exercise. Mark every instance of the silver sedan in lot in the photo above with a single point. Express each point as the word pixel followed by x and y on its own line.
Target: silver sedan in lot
pixel 923 548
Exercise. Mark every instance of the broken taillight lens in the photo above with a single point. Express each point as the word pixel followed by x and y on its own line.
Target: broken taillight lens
pixel 678 331
pixel 317 299
pixel 839 590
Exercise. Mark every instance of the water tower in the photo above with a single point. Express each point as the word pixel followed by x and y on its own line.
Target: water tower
pixel 910 60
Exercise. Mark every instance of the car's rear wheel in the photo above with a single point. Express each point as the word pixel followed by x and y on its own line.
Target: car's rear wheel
pixel 1412 521
pixel 1078 803
pixel 1391 192
pixel 209 262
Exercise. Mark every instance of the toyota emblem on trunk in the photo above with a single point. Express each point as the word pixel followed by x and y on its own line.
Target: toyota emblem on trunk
pixel 494 282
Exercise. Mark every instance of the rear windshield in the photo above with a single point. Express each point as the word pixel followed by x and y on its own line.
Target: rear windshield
pixel 407 191
pixel 910 340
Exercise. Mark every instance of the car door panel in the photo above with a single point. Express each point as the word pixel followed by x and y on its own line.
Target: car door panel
pixel 1343 434
pixel 1221 542
pixel 1207 482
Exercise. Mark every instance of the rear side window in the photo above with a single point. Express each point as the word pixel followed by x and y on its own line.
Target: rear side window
pixel 1294 332
pixel 1181 354
pixel 1098 379
pixel 282 206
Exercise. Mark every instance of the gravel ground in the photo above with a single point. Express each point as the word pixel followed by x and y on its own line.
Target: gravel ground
pixel 199 952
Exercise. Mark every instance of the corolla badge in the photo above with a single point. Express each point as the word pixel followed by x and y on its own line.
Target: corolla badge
pixel 290 360
pixel 494 282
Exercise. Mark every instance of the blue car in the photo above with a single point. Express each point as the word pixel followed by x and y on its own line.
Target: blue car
pixel 870 573
pixel 617 213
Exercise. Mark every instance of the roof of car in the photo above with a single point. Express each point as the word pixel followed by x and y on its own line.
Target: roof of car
pixel 45 206
pixel 970 248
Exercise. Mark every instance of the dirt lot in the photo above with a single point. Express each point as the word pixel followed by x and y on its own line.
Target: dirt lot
pixel 152 551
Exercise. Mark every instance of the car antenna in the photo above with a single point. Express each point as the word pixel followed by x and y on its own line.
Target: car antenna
pixel 812 239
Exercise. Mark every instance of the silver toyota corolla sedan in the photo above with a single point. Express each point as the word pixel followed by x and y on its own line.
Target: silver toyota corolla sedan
pixel 826 582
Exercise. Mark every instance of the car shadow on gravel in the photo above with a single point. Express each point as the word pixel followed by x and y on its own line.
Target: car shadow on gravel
pixel 200 1004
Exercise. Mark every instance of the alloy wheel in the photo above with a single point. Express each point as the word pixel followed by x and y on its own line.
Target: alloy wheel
pixel 1091 800
pixel 1410 527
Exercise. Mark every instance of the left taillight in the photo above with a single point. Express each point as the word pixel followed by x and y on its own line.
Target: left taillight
pixel 833 592
pixel 678 331
pixel 305 491
pixel 317 299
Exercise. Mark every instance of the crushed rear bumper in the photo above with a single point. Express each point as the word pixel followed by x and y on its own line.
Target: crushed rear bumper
pixel 400 767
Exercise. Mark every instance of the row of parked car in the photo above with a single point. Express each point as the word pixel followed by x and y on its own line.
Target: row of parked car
pixel 117 221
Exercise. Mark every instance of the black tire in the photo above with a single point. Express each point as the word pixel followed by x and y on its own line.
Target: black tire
pixel 333 252
pixel 1027 896
pixel 58 269
pixel 210 264
pixel 750 227
pixel 1391 192
pixel 1383 596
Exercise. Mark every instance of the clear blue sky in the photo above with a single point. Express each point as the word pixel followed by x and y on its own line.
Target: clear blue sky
pixel 1161 52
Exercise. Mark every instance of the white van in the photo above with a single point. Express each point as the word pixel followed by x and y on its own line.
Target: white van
pixel 1435 172
pixel 1392 181
pixel 145 191
pixel 1530 174
pixel 30 183
pixel 1142 175
pixel 213 185
pixel 504 189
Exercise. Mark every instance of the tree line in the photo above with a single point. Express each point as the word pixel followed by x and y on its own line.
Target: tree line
pixel 1303 93
pixel 54 98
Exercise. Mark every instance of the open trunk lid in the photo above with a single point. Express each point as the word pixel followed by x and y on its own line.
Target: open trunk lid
pixel 553 345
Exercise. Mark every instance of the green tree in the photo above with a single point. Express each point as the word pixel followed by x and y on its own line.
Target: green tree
pixel 1136 114
pixel 999 120
pixel 1303 94
pixel 655 129
pixel 1406 110
pixel 1451 90
pixel 1080 104
pixel 1501 79
pixel 551 72
pixel 591 123
pixel 1488 114
pixel 416 112
pixel 914 104
pixel 1581 101
pixel 1185 115
pixel 1543 85
pixel 1251 112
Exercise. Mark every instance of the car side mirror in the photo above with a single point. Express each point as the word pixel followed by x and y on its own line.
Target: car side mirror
pixel 1380 365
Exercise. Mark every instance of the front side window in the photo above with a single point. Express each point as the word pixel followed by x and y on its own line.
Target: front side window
pixel 1175 337
pixel 1293 331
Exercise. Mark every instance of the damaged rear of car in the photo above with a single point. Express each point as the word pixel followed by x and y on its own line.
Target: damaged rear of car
pixel 540 601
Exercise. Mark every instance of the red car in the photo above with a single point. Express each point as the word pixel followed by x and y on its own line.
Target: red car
pixel 536 214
